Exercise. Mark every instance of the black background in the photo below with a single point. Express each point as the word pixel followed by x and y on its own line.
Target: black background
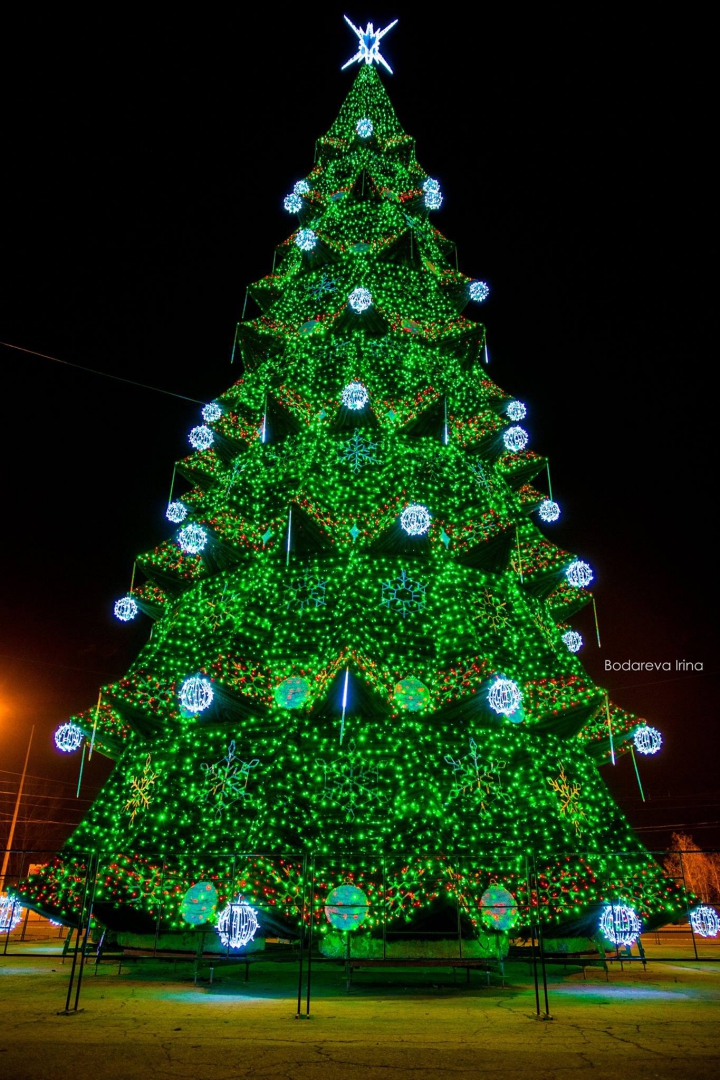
pixel 145 167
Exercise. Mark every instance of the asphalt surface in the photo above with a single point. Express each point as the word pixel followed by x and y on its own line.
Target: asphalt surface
pixel 152 1021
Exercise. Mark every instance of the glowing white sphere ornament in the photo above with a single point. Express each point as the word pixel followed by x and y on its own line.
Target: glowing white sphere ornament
pixel 548 510
pixel 301 187
pixel 68 737
pixel 237 924
pixel 648 740
pixel 704 921
pixel 515 439
pixel 579 574
pixel 196 694
pixel 433 194
pixel 355 396
pixel 126 609
pixel 306 239
pixel 201 438
pixel 415 519
pixel 211 412
pixel 573 640
pixel 192 539
pixel 504 697
pixel 479 291
pixel 10 913
pixel 176 512
pixel 293 203
pixel 364 128
pixel 360 300
pixel 620 924
pixel 516 410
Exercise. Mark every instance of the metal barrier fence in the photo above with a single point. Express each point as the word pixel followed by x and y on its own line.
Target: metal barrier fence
pixel 294 935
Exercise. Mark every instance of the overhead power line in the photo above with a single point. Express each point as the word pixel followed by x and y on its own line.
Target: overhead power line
pixel 105 374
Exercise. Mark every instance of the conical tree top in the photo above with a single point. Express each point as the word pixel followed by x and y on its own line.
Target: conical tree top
pixel 368 99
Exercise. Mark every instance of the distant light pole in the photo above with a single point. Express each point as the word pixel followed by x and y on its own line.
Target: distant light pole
pixel 11 835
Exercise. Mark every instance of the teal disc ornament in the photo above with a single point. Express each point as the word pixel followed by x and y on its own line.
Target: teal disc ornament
pixel 199 903
pixel 411 694
pixel 346 907
pixel 498 909
pixel 293 693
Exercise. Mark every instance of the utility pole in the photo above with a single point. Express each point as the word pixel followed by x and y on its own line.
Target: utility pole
pixel 11 834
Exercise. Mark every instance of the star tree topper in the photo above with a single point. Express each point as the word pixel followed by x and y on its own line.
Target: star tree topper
pixel 369 49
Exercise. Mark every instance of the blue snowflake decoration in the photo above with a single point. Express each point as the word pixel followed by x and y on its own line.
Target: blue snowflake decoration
pixel 293 203
pixel 211 412
pixel 498 909
pixel 579 574
pixel 573 640
pixel 346 907
pixel 516 410
pixel 504 697
pixel 126 608
pixel 548 510
pixel 176 512
pixel 292 693
pixel 648 740
pixel 515 439
pixel 704 921
pixel 360 300
pixel 620 925
pixel 307 590
pixel 415 519
pixel 364 128
pixel 301 187
pixel 433 194
pixel 201 438
pixel 306 239
pixel 196 694
pixel 355 396
pixel 358 452
pixel 404 594
pixel 68 737
pixel 192 539
pixel 479 291
pixel 325 284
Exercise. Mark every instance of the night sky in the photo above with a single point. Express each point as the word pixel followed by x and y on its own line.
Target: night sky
pixel 144 173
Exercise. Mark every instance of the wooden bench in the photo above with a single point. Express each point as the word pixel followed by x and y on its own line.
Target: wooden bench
pixel 357 964
pixel 199 960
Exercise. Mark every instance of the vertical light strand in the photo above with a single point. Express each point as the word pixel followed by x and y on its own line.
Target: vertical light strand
pixel 597 624
pixel 232 354
pixel 82 767
pixel 344 704
pixel 172 484
pixel 287 553
pixel 637 773
pixel 95 724
pixel 445 428
pixel 609 724
pixel 132 576
pixel 247 293
pixel 547 466
pixel 517 543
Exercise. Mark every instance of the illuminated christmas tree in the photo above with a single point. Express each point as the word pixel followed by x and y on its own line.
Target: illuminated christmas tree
pixel 362 645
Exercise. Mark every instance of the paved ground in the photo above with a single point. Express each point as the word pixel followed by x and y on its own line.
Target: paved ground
pixel 153 1023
